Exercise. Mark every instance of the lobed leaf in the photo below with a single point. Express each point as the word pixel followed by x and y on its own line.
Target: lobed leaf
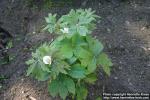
pixel 105 62
pixel 62 86
pixel 69 83
pixel 76 71
pixel 81 93
pixel 94 45
pixel 91 66
pixel 66 51
pixel 91 78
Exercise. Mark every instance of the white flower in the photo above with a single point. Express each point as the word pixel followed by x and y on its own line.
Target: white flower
pixel 47 60
pixel 65 30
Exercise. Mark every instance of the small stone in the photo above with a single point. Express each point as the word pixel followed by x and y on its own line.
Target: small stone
pixel 99 4
pixel 127 22
pixel 120 62
pixel 148 65
pixel 115 78
pixel 143 28
pixel 108 30
pixel 98 21
pixel 130 83
pixel 92 94
pixel 128 80
pixel 134 39
pixel 31 98
pixel 120 68
pixel 34 32
pixel 22 92
pixel 95 36
pixel 145 49
pixel 22 79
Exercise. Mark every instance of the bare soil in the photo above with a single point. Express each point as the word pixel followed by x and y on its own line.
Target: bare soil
pixel 124 29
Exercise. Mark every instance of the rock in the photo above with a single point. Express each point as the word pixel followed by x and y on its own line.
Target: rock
pixel 115 78
pixel 143 28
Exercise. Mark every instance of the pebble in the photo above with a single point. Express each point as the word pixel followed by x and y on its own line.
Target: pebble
pixel 115 78
pixel 120 68
pixel 99 4
pixel 34 32
pixel 92 94
pixel 108 30
pixel 31 98
pixel 148 65
pixel 127 22
pixel 98 21
pixel 22 92
pixel 22 79
pixel 130 83
pixel 143 28
pixel 145 49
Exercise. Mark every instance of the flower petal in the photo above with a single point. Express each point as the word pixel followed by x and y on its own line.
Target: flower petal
pixel 47 59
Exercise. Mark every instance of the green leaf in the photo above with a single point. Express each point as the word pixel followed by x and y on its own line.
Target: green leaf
pixel 73 29
pixel 45 67
pixel 62 85
pixel 53 87
pixel 9 44
pixel 66 51
pixel 95 46
pixel 98 98
pixel 29 61
pixel 82 53
pixel 78 40
pixel 40 74
pixel 92 66
pixel 37 68
pixel 36 71
pixel 47 20
pixel 83 20
pixel 51 21
pixel 72 60
pixel 78 21
pixel 30 70
pixel 81 93
pixel 63 92
pixel 77 71
pixel 85 61
pixel 91 78
pixel 57 87
pixel 105 62
pixel 59 66
pixel 69 83
pixel 82 30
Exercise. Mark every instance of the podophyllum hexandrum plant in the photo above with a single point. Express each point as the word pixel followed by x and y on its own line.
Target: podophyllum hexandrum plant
pixel 71 60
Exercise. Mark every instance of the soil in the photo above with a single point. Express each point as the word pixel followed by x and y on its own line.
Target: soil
pixel 124 29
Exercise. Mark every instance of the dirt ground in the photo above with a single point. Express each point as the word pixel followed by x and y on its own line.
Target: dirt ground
pixel 124 30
